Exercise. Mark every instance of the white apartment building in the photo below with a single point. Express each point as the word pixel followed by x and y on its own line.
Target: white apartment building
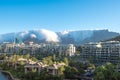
pixel 102 52
pixel 68 49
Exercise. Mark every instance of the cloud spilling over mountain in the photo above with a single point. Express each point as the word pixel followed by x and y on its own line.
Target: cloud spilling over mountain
pixel 65 37
pixel 49 35
pixel 41 34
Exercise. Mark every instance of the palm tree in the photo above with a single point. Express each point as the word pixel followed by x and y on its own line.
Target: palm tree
pixel 13 60
pixel 66 61
pixel 27 56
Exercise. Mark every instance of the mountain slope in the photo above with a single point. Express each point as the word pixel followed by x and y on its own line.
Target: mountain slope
pixel 115 39
pixel 101 35
pixel 65 37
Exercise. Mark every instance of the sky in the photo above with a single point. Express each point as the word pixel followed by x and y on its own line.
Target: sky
pixel 59 15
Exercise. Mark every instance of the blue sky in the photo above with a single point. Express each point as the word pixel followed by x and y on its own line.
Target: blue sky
pixel 59 15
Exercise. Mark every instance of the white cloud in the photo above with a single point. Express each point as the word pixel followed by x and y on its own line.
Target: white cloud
pixel 24 33
pixel 33 36
pixel 65 32
pixel 49 35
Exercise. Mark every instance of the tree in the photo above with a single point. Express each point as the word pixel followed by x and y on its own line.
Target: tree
pixel 91 59
pixel 116 76
pixel 22 63
pixel 70 72
pixel 107 70
pixel 34 59
pixel 54 57
pixel 66 61
pixel 13 60
pixel 44 61
pixel 92 65
pixel 99 76
pixel 48 60
pixel 27 56
pixel 61 70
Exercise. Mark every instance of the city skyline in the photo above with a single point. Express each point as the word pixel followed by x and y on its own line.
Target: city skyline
pixel 59 15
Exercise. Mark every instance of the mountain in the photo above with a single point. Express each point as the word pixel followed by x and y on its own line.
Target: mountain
pixel 101 35
pixel 65 37
pixel 75 37
pixel 115 39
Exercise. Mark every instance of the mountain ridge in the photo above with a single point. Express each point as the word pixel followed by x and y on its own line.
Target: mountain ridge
pixel 65 37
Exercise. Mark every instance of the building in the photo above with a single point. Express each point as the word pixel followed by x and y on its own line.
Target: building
pixel 102 52
pixel 34 66
pixel 54 69
pixel 66 49
pixel 118 68
pixel 11 48
pixel 70 50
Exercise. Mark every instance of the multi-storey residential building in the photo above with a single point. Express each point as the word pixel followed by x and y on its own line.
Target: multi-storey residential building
pixel 68 49
pixel 19 49
pixel 102 52
pixel 7 48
